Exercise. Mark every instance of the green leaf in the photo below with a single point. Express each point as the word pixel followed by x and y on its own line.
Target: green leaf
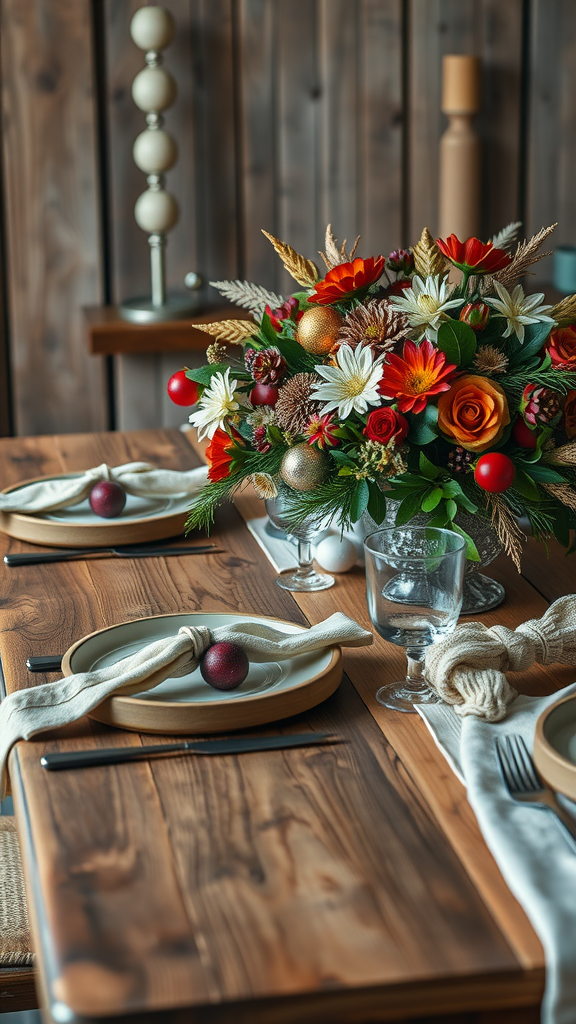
pixel 423 428
pixel 427 468
pixel 561 526
pixel 432 498
pixel 534 337
pixel 464 500
pixel 267 330
pixel 450 488
pixel 525 486
pixel 409 507
pixel 451 508
pixel 339 456
pixel 376 503
pixel 471 549
pixel 544 474
pixel 297 358
pixel 360 500
pixel 440 520
pixel 203 374
pixel 458 341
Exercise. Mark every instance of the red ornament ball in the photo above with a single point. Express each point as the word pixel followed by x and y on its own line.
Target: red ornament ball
pixel 264 394
pixel 107 499
pixel 182 390
pixel 494 472
pixel 522 434
pixel 224 666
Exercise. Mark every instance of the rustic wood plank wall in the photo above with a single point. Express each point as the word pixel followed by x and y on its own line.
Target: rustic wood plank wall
pixel 290 114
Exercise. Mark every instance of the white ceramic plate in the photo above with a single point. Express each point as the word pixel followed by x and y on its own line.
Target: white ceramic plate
pixel 271 691
pixel 142 519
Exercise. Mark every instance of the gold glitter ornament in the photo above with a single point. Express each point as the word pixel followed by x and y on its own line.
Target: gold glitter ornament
pixel 318 329
pixel 304 468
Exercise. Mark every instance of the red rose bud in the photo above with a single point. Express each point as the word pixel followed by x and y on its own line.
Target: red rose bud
pixel 540 406
pixel 385 424
pixel 397 287
pixel 523 435
pixel 562 348
pixel 287 311
pixel 260 439
pixel 400 261
pixel 475 314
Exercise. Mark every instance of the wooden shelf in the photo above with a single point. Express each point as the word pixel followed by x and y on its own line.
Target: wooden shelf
pixel 109 335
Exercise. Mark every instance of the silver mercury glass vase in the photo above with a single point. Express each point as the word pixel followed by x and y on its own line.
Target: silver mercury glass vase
pixel 481 593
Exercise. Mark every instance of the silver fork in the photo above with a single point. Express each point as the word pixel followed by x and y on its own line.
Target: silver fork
pixel 522 780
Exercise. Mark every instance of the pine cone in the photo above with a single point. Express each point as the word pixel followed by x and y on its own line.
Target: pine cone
pixel 459 460
pixel 377 323
pixel 268 366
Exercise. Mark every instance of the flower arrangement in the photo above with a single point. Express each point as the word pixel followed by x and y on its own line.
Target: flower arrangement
pixel 389 378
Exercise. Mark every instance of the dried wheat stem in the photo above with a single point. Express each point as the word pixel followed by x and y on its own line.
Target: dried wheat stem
pixel 509 533
pixel 563 493
pixel 304 271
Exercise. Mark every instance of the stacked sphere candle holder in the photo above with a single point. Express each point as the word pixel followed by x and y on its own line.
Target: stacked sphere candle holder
pixel 155 152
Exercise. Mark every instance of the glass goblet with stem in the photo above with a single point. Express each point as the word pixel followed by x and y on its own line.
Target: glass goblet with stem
pixel 304 578
pixel 414 579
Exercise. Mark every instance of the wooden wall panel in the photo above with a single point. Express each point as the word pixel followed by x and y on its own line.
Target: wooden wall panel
pixel 52 243
pixel 552 126
pixel 494 31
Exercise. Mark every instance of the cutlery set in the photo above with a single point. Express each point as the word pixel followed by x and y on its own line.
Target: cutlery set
pixel 524 784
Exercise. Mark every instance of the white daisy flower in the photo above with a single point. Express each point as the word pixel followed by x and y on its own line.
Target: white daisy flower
pixel 215 406
pixel 519 309
pixel 425 304
pixel 352 384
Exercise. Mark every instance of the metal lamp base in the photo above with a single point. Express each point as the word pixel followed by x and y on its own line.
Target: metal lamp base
pixel 143 311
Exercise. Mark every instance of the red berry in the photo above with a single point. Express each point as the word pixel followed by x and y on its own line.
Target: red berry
pixel 107 499
pixel 264 394
pixel 494 472
pixel 182 390
pixel 522 434
pixel 224 666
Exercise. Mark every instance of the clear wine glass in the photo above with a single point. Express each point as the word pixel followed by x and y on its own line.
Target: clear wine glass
pixel 414 579
pixel 304 578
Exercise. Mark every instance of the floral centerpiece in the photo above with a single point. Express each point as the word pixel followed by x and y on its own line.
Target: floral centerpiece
pixel 429 377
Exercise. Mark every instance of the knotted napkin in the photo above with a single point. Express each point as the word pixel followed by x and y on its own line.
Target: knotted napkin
pixel 138 478
pixel 26 713
pixel 467 668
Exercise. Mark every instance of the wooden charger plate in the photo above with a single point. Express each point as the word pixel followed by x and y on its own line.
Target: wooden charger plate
pixel 142 520
pixel 272 691
pixel 555 746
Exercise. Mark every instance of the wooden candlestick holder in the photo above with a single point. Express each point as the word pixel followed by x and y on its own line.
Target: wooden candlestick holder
pixel 460 153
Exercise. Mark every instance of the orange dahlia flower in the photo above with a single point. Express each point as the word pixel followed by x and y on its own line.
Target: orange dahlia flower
pixel 344 281
pixel 412 378
pixel 474 255
pixel 473 413
pixel 219 455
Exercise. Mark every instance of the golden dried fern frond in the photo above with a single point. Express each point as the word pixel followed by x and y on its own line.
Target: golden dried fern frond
pixel 563 493
pixel 565 455
pixel 334 256
pixel 507 530
pixel 304 271
pixel 564 312
pixel 525 256
pixel 235 331
pixel 427 256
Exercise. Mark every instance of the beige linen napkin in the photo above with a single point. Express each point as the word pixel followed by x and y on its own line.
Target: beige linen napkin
pixel 26 713
pixel 137 478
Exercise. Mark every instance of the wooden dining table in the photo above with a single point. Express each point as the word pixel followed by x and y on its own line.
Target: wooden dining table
pixel 347 883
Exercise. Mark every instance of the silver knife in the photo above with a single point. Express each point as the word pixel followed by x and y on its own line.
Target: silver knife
pixel 238 745
pixel 65 555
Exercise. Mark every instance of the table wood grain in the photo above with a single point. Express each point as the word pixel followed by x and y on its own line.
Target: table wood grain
pixel 342 884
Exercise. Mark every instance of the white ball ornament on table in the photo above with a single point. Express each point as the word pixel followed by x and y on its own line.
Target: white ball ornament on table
pixel 155 151
pixel 152 28
pixel 336 554
pixel 156 212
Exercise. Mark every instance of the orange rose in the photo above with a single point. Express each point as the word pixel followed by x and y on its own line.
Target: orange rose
pixel 562 348
pixel 473 413
pixel 570 415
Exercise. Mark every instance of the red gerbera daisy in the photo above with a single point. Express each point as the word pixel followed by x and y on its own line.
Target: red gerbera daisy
pixel 219 454
pixel 474 255
pixel 412 378
pixel 347 279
